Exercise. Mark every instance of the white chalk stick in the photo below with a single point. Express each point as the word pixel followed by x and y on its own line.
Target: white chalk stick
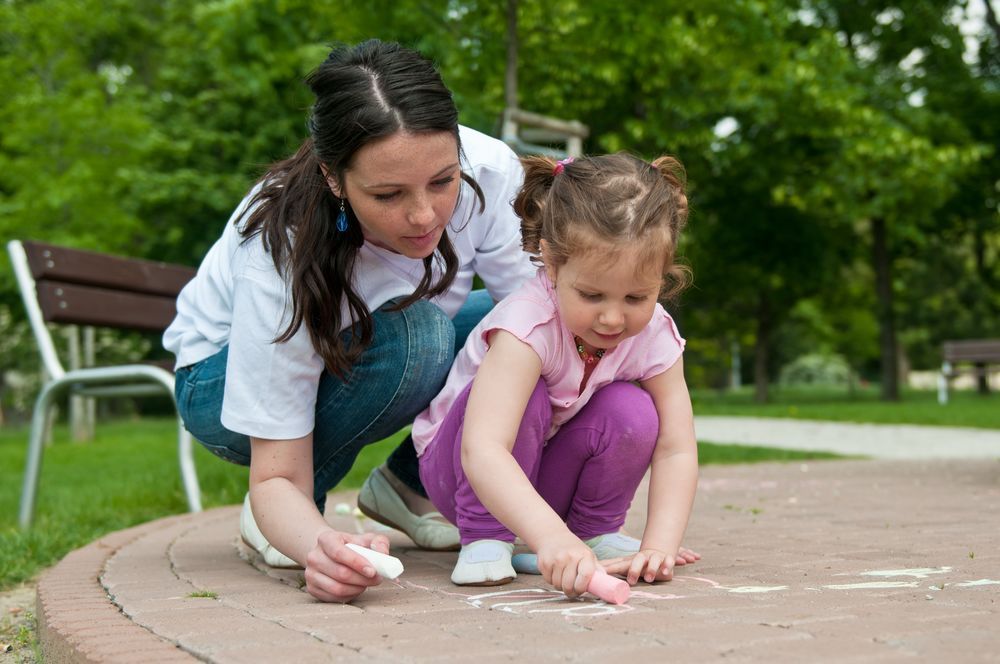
pixel 387 566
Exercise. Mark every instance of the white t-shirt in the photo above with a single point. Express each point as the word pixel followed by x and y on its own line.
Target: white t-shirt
pixel 238 298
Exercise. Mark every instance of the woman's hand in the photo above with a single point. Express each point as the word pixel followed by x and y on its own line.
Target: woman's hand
pixel 334 573
pixel 567 563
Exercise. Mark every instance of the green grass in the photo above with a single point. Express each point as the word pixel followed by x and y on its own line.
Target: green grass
pixel 717 454
pixel 965 409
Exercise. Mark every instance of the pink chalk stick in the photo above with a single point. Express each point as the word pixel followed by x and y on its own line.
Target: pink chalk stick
pixel 609 588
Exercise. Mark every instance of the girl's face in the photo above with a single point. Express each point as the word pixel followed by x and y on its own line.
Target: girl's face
pixel 605 300
pixel 403 189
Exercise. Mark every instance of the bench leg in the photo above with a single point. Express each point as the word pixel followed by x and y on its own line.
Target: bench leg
pixel 943 383
pixel 188 473
pixel 36 443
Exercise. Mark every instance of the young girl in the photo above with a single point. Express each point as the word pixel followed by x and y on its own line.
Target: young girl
pixel 572 387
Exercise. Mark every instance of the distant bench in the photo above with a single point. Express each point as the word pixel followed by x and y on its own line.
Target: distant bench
pixel 71 286
pixel 980 353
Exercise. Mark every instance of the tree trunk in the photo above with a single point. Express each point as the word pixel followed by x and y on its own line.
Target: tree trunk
pixel 991 20
pixel 510 73
pixel 886 321
pixel 982 379
pixel 762 351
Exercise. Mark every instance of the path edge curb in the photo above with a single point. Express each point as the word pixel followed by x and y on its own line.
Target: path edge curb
pixel 76 620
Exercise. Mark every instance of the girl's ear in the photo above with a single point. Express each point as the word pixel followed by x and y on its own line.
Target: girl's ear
pixel 331 181
pixel 550 268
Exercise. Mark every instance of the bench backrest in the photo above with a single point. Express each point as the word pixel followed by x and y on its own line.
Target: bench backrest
pixel 972 350
pixel 88 288
pixel 72 286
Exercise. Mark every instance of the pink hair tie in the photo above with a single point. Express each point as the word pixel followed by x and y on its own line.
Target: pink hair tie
pixel 561 166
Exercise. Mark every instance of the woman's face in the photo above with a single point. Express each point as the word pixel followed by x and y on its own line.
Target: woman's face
pixel 403 189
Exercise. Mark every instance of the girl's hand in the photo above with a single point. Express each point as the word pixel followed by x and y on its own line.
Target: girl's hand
pixel 686 557
pixel 567 563
pixel 334 573
pixel 649 565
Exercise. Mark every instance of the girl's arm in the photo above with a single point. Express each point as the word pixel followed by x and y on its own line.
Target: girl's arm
pixel 497 403
pixel 281 487
pixel 673 477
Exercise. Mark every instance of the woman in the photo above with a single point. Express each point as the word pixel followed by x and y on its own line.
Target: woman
pixel 328 313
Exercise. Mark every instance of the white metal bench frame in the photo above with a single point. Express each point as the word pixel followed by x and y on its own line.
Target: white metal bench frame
pixel 123 380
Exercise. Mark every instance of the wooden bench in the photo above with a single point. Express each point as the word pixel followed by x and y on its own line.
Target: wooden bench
pixel 70 286
pixel 980 353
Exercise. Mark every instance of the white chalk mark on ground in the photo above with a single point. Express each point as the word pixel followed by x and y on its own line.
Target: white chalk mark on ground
pixel 874 585
pixel 916 573
pixel 529 599
pixel 543 601
pixel 980 582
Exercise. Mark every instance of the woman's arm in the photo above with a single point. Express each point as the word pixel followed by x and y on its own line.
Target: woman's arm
pixel 281 486
pixel 673 476
pixel 497 403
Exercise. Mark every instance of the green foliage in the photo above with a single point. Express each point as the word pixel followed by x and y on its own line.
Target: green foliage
pixel 137 126
pixel 816 369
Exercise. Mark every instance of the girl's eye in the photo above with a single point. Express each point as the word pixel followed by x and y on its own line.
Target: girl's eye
pixel 590 297
pixel 636 299
pixel 386 197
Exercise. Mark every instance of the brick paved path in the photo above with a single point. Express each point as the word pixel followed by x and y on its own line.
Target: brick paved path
pixel 846 561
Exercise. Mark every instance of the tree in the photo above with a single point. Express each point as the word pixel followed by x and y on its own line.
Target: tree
pixel 897 168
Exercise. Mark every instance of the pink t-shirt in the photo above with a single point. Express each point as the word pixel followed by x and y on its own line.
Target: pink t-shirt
pixel 530 314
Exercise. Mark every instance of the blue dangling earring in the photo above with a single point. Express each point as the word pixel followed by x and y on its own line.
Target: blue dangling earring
pixel 342 218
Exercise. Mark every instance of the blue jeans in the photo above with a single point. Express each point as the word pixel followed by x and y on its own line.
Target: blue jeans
pixel 394 380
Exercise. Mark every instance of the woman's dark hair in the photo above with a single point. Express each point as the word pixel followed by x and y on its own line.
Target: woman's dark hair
pixel 603 204
pixel 363 93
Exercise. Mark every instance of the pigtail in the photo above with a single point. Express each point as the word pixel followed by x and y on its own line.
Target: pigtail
pixel 677 276
pixel 530 201
pixel 672 171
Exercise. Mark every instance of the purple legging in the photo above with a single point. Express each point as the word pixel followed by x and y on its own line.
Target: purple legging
pixel 588 472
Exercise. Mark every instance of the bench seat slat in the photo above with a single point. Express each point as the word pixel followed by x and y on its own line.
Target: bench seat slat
pixel 972 350
pixel 102 307
pixel 93 269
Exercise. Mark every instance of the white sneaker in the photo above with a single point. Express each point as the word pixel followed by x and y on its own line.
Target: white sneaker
pixel 484 563
pixel 613 545
pixel 255 539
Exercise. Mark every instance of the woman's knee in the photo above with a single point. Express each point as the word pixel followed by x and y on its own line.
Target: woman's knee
pixel 421 341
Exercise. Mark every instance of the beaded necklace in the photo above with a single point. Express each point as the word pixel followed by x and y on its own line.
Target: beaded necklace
pixel 587 358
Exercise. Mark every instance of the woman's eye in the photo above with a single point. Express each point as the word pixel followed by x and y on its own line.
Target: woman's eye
pixel 443 182
pixel 386 197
